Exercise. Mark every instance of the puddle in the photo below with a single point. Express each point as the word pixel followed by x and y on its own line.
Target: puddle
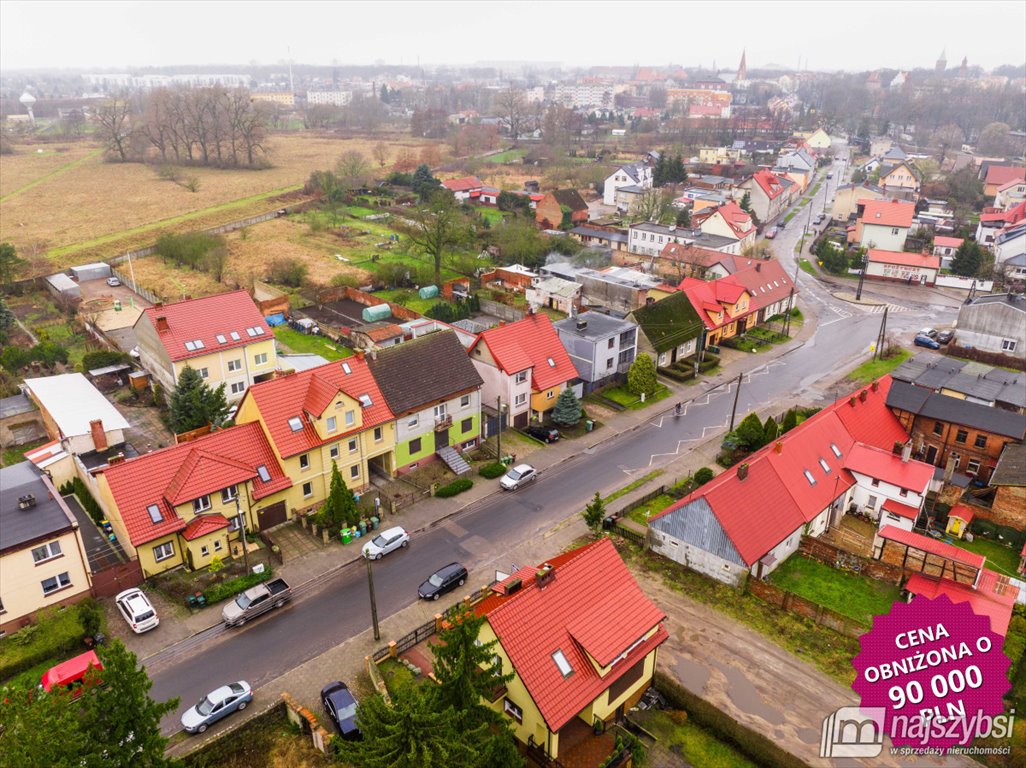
pixel 693 675
pixel 745 697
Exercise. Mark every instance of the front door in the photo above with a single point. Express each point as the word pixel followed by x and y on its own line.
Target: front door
pixel 441 439
pixel 931 454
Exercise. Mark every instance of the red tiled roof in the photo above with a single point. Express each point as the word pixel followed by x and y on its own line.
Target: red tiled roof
pixel 932 546
pixel 204 320
pixel 888 213
pixel 1000 174
pixel 529 343
pixel 884 465
pixel 1011 183
pixel 947 242
pixel 693 254
pixel 966 513
pixel 776 498
pixel 739 222
pixel 310 392
pixel 766 283
pixel 187 471
pixel 901 510
pixel 925 261
pixel 993 597
pixel 1012 216
pixel 594 607
pixel 769 183
pixel 203 524
pixel 464 184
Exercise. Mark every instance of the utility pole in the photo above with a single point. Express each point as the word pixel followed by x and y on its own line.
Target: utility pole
pixel 733 411
pixel 790 296
pixel 862 276
pixel 374 605
pixel 878 352
pixel 498 430
pixel 242 531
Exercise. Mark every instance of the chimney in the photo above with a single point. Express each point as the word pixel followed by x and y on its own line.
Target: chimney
pixel 778 447
pixel 582 324
pixel 851 401
pixel 159 305
pixel 358 353
pixel 99 436
pixel 875 385
pixel 118 459
pixel 162 325
pixel 742 471
pixel 906 452
pixel 862 396
pixel 897 448
pixel 544 575
pixel 758 267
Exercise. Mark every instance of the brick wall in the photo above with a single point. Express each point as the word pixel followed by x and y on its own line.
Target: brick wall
pixel 1009 507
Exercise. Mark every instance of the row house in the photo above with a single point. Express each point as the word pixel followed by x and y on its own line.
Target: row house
pixel 669 330
pixel 994 225
pixel 601 347
pixel 613 238
pixel 967 380
pixel 524 367
pixel 678 261
pixel 649 238
pixel 749 519
pixel 947 429
pixel 224 337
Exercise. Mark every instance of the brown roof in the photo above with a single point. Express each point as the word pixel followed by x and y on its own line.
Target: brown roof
pixel 571 198
pixel 421 371
pixel 692 254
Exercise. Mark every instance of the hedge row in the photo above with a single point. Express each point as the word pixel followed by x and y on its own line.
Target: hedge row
pixel 77 487
pixel 215 593
pixel 456 486
pixel 492 471
pixel 677 375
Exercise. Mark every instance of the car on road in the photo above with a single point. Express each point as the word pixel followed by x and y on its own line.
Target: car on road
pixel 520 475
pixel 926 341
pixel 819 219
pixel 385 542
pixel 545 434
pixel 772 232
pixel 113 282
pixel 340 704
pixel 830 175
pixel 137 610
pixel 945 336
pixel 445 579
pixel 931 332
pixel 219 703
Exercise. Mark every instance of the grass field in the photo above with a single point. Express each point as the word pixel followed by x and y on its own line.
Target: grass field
pixel 874 369
pixel 412 300
pixel 304 343
pixel 106 208
pixel 509 156
pixel 492 215
pixel 1000 558
pixel 847 593
pixel 625 397
pixel 692 742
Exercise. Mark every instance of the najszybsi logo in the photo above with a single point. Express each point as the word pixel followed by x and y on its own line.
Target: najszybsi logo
pixel 853 732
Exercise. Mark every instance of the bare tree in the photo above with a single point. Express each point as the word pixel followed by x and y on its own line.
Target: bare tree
pixel 512 111
pixel 353 172
pixel 993 140
pixel 946 137
pixel 653 205
pixel 114 118
pixel 437 228
pixel 380 153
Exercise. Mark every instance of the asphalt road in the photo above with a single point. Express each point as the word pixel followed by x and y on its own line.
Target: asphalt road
pixel 328 613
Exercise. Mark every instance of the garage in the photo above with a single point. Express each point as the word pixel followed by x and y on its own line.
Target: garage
pixel 268 517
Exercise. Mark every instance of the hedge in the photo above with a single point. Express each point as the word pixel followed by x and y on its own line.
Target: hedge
pixel 711 361
pixel 54 635
pixel 456 486
pixel 676 374
pixel 215 593
pixel 492 471
pixel 85 498
pixel 102 358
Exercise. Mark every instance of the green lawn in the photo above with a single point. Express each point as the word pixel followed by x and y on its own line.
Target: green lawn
pixel 849 594
pixel 1000 558
pixel 16 454
pixel 412 300
pixel 508 156
pixel 692 742
pixel 874 369
pixel 632 485
pixel 625 397
pixel 791 215
pixel 302 343
pixel 358 212
pixel 492 215
pixel 643 512
pixel 806 266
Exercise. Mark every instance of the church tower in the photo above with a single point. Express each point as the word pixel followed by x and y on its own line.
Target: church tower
pixel 942 63
pixel 742 68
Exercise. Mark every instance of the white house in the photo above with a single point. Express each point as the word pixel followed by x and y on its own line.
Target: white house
pixel 889 488
pixel 624 176
pixel 76 413
pixel 883 224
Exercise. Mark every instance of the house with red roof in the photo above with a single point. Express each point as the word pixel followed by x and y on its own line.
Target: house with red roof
pixel 999 175
pixel 223 336
pixel 525 364
pixel 581 640
pixel 680 260
pixel 186 504
pixel 1010 194
pixel 909 268
pixel 994 223
pixel 992 595
pixel 768 194
pixel 945 247
pixel 728 220
pixel 883 224
pixel 464 188
pixel 332 414
pixel 751 517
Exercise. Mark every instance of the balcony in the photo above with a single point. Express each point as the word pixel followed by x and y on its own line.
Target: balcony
pixel 442 423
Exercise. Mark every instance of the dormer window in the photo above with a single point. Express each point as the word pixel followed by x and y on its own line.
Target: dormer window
pixel 156 516
pixel 562 664
pixel 365 401
pixel 295 423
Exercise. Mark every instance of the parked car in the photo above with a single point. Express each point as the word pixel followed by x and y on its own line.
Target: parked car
pixel 385 542
pixel 945 336
pixel 772 232
pixel 70 674
pixel 255 601
pixel 819 219
pixel 219 703
pixel 113 282
pixel 931 332
pixel 520 475
pixel 830 175
pixel 545 434
pixel 340 704
pixel 445 579
pixel 137 610
pixel 926 341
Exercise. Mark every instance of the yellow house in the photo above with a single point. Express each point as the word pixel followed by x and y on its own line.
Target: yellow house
pixel 817 139
pixel 43 562
pixel 334 413
pixel 902 177
pixel 182 505
pixel 224 337
pixel 575 671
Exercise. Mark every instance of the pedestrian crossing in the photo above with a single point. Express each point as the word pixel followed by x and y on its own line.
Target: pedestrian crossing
pixel 891 308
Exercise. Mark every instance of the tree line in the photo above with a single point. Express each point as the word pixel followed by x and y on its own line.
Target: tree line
pixel 216 127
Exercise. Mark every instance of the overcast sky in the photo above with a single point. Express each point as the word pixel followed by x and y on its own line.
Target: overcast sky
pixel 828 34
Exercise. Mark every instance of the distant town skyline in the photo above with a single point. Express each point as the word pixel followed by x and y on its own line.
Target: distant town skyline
pixel 831 36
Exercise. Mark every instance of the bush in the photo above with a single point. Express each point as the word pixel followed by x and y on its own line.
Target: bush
pixel 86 499
pixel 676 374
pixel 711 361
pixel 492 471
pixel 456 486
pixel 90 616
pixel 703 475
pixel 286 270
pixel 215 593
pixel 54 635
pixel 93 360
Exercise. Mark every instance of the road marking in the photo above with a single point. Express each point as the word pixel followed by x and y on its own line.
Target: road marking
pixel 879 308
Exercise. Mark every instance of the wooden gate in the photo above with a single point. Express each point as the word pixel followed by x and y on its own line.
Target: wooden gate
pixel 268 517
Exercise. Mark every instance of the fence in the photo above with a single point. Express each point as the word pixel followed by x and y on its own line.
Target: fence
pixel 964 283
pixel 501 311
pixel 792 603
pixel 836 557
pixel 274 549
pixel 421 633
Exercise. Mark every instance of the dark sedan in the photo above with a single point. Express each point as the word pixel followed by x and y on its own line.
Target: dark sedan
pixel 340 704
pixel 945 337
pixel 925 341
pixel 545 434
pixel 443 580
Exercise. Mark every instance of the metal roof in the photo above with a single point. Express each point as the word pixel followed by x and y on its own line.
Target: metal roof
pixel 695 524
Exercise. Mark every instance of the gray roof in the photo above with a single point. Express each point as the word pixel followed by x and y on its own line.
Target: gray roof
pixel 695 524
pixel 613 237
pixel 1011 467
pixel 633 189
pixel 301 362
pixel 1019 260
pixel 21 526
pixel 14 405
pixel 1014 300
pixel 931 405
pixel 984 382
pixel 598 326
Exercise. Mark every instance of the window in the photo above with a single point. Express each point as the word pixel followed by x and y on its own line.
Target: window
pixel 350 418
pixel 229 494
pixel 663 358
pixel 202 504
pixel 520 399
pixel 331 423
pixel 204 551
pixel 234 523
pixel 235 335
pixel 365 401
pixel 260 359
pixel 234 365
pixel 464 401
pixel 416 445
pixel 809 477
pixel 155 514
pixel 203 372
pixel 346 369
pixel 54 583
pixel 826 467
pixel 938 428
pixel 836 451
pixel 981 441
pixel 876 483
pixel 221 339
pixel 307 490
pixel 871 502
pixel 378 434
pixel 513 710
pixel 955 459
pixel 238 387
pixel 467 425
pixel 164 551
pixel 412 423
pixel 961 436
pixel 521 377
pixel 354 471
pixel 46 552
pixel 265 476
pixel 333 452
pixel 295 423
pixel 550 394
pixel 609 364
pixel 973 466
pixel 304 461
pixel 611 343
pixel 440 412
pixel 562 664
pixel 352 445
pixel 1008 345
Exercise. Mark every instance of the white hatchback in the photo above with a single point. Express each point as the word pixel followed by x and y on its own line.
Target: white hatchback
pixel 385 542
pixel 137 610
